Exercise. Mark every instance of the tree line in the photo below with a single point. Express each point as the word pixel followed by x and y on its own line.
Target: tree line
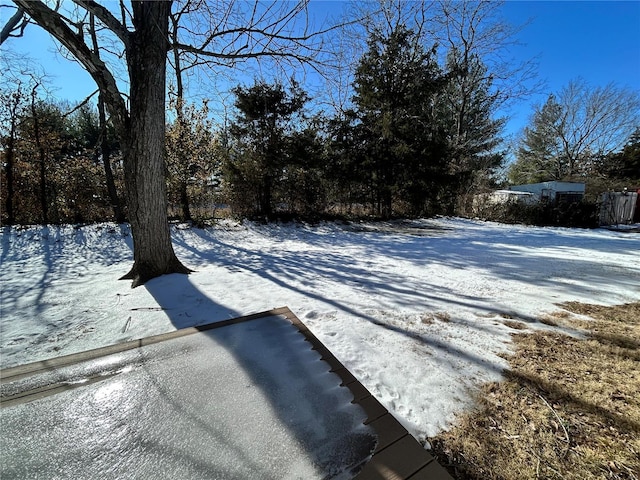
pixel 397 151
pixel 582 133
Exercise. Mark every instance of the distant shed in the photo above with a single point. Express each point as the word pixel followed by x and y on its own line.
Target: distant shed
pixel 554 192
pixel 506 196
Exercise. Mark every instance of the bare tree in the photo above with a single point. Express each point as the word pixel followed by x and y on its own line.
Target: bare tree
pixel 11 104
pixel 595 122
pixel 214 32
pixel 104 143
pixel 42 160
pixel 478 30
pixel 574 131
pixel 182 62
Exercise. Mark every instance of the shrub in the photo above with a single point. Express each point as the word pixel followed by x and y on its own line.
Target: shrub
pixel 582 214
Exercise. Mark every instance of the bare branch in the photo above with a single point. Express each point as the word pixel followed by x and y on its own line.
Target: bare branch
pixel 106 17
pixel 18 21
pixel 238 55
pixel 80 105
pixel 227 33
pixel 53 23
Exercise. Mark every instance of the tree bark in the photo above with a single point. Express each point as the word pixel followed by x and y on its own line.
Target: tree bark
pixel 143 150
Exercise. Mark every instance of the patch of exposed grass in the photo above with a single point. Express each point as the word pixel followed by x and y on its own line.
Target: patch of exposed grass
pixel 516 325
pixel 548 321
pixel 442 316
pixel 569 408
pixel 505 315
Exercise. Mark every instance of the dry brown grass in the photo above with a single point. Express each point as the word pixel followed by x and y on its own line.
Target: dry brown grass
pixel 569 408
pixel 515 324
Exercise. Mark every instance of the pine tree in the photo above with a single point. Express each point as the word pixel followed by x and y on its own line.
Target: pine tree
pixel 262 145
pixel 467 108
pixel 540 157
pixel 404 155
pixel 575 130
pixel 625 165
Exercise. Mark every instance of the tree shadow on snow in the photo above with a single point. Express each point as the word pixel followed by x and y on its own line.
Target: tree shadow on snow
pixel 299 274
pixel 186 305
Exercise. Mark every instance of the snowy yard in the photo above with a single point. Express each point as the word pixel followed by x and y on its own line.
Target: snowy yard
pixel 416 310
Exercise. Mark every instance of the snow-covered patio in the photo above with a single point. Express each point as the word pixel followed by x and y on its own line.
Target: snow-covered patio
pixel 418 311
pixel 250 400
pixel 242 398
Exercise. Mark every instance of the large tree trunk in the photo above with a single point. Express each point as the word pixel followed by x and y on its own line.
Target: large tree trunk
pixel 141 132
pixel 143 150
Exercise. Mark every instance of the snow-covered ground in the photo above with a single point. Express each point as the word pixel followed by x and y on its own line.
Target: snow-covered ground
pixel 416 310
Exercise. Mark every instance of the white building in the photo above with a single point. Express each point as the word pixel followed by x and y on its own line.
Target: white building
pixel 510 196
pixel 553 191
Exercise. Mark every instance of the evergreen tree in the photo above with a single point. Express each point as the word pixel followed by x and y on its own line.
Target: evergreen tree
pixel 304 187
pixel 266 139
pixel 404 152
pixel 574 131
pixel 346 168
pixel 466 108
pixel 625 165
pixel 540 156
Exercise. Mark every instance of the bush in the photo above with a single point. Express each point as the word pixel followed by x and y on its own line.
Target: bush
pixel 582 214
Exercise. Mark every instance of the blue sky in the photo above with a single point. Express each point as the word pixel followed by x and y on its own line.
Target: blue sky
pixel 597 41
